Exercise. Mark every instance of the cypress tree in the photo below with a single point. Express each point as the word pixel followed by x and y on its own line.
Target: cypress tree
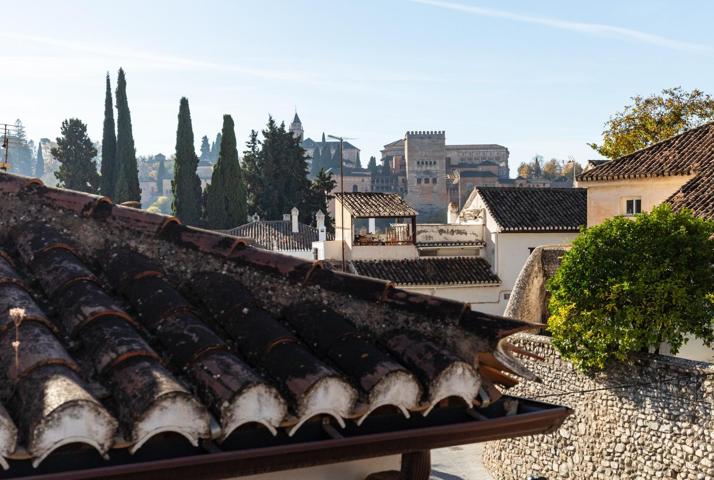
pixel 186 185
pixel 40 164
pixel 75 153
pixel 358 163
pixel 225 202
pixel 205 150
pixel 216 148
pixel 127 174
pixel 160 175
pixel 109 146
pixel 252 174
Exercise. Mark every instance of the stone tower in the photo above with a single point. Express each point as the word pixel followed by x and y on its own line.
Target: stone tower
pixel 296 128
pixel 425 157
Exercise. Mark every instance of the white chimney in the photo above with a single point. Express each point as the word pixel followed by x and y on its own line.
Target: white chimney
pixel 286 217
pixel 321 230
pixel 372 225
pixel 452 216
pixel 294 217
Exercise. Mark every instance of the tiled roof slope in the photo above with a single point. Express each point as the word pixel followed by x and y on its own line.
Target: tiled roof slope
pixel 429 271
pixel 376 204
pixel 278 235
pixel 518 209
pixel 697 194
pixel 683 154
pixel 117 325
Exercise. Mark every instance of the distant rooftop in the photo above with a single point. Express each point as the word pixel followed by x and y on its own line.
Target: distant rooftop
pixel 429 271
pixel 523 209
pixel 375 204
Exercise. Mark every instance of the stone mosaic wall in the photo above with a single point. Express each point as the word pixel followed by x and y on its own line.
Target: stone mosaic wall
pixel 651 419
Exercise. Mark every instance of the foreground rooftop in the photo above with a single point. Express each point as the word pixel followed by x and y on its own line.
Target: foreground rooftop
pixel 133 345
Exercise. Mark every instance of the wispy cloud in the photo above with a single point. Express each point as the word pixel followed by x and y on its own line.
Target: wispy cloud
pixel 600 29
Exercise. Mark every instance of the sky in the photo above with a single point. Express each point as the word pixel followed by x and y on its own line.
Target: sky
pixel 537 77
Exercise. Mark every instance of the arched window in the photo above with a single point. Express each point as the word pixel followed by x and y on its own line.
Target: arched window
pixel 355 188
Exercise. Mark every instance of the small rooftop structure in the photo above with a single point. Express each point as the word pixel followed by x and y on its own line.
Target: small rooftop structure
pixel 281 235
pixel 376 205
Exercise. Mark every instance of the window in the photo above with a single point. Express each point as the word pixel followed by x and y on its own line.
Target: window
pixel 418 181
pixel 433 180
pixel 633 206
pixel 355 188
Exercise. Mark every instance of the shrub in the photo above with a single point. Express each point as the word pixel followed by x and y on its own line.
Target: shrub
pixel 628 285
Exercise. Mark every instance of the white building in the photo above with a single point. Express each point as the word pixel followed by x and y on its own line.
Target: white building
pixel 287 236
pixel 378 236
pixel 517 220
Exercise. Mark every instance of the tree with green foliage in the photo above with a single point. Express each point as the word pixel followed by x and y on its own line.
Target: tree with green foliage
pixel 358 162
pixel 186 185
pixel 109 146
pixel 40 163
pixel 318 197
pixel 253 173
pixel 161 173
pixel 216 148
pixel 126 188
pixel 226 195
pixel 205 150
pixel 75 152
pixel 19 154
pixel 372 165
pixel 654 118
pixel 627 285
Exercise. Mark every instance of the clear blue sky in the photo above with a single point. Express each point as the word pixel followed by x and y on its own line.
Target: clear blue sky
pixel 537 77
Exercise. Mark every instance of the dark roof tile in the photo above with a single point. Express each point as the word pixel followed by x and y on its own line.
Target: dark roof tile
pixel 429 271
pixel 278 235
pixel 535 209
pixel 375 204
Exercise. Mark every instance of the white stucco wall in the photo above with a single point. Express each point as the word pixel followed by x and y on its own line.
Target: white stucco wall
pixel 486 299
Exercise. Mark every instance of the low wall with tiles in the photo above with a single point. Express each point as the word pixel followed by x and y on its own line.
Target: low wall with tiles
pixel 650 419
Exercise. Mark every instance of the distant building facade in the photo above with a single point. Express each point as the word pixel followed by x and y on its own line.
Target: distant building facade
pixel 430 174
pixel 350 153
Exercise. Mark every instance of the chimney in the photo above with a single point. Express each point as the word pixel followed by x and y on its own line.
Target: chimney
pixel 286 217
pixel 452 216
pixel 294 217
pixel 321 230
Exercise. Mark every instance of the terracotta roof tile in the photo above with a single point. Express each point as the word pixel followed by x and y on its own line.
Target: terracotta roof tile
pixel 130 325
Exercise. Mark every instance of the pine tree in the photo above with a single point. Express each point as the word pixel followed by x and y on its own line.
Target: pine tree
pixel 186 185
pixel 40 164
pixel 109 146
pixel 19 153
pixel 358 162
pixel 127 174
pixel 372 165
pixel 75 153
pixel 205 150
pixel 226 195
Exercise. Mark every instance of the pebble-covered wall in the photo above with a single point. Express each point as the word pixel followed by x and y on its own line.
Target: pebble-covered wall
pixel 648 420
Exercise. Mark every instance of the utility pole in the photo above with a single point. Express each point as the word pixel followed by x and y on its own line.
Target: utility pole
pixel 342 191
pixel 6 143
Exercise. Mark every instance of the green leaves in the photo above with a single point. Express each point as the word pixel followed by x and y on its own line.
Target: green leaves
pixel 75 152
pixel 628 285
pixel 186 184
pixel 652 119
